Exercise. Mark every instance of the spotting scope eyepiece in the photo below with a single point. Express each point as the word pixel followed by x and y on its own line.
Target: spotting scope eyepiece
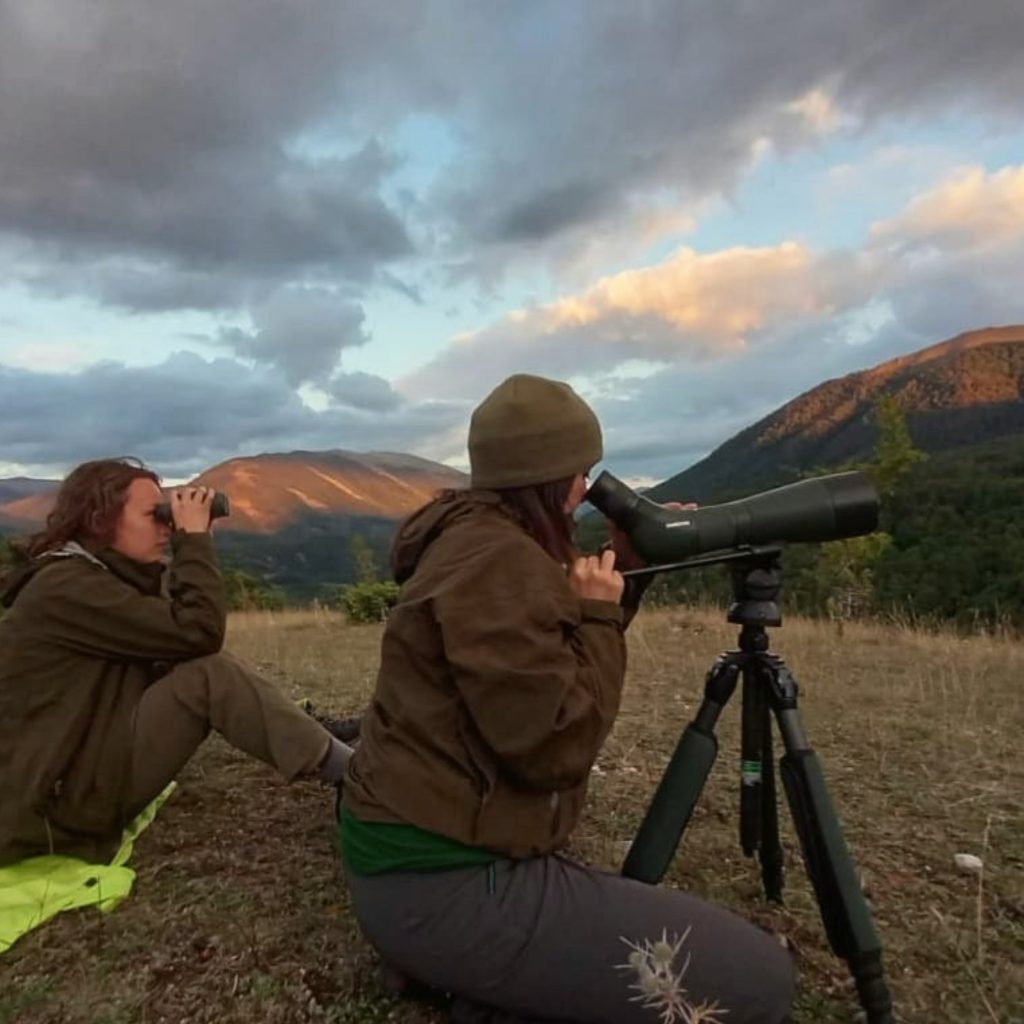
pixel 820 508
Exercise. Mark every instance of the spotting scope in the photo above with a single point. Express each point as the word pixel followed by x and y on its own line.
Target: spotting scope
pixel 820 508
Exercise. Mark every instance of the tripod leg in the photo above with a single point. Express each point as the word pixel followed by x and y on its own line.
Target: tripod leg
pixel 752 719
pixel 759 816
pixel 672 804
pixel 770 853
pixel 844 911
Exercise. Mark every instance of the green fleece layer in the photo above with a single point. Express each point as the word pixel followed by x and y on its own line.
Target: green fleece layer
pixel 373 848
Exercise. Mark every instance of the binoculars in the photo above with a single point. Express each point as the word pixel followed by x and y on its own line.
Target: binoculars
pixel 219 507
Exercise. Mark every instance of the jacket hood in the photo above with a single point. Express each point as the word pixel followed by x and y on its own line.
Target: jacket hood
pixel 14 579
pixel 422 528
pixel 144 577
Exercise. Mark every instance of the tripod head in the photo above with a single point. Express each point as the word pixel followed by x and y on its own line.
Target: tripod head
pixel 755 586
pixel 756 578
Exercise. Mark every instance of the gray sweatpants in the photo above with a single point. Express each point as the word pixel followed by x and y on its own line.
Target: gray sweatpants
pixel 550 940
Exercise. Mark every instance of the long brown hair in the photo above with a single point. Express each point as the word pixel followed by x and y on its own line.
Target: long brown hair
pixel 541 509
pixel 89 503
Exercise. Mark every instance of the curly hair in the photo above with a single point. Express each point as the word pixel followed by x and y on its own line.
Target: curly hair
pixel 89 503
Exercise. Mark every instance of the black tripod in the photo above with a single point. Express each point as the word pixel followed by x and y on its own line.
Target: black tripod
pixel 767 686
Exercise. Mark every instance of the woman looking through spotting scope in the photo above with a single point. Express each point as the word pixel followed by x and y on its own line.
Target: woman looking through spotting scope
pixel 502 668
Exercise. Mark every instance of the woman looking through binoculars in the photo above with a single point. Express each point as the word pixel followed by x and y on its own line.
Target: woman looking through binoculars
pixel 107 687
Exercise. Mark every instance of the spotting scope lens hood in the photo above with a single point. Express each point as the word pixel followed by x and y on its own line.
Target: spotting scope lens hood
pixel 818 509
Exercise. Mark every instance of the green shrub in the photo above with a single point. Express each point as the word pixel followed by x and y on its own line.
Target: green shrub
pixel 246 592
pixel 368 602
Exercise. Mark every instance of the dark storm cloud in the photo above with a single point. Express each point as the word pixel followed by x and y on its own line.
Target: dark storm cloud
pixel 166 133
pixel 412 293
pixel 130 284
pixel 301 331
pixel 185 134
pixel 187 414
pixel 551 209
pixel 227 226
pixel 582 111
pixel 363 391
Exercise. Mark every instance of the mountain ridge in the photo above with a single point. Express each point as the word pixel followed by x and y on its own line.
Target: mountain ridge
pixel 273 490
pixel 270 491
pixel 16 488
pixel 962 391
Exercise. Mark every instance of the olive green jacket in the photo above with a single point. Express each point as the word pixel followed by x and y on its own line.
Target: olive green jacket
pixel 496 689
pixel 83 635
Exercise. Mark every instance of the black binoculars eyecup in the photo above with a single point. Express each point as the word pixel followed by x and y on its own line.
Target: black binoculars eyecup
pixel 220 507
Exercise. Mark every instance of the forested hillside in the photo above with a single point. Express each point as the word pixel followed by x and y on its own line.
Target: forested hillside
pixel 964 391
pixel 950 546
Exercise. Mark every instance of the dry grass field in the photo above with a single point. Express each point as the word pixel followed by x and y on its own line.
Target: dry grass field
pixel 240 912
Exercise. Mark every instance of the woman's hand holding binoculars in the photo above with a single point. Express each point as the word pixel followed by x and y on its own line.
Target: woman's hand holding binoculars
pixel 209 503
pixel 191 508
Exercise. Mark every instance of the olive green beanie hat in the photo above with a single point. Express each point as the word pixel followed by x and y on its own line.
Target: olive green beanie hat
pixel 530 430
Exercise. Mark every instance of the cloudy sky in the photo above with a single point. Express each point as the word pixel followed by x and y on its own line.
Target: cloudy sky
pixel 262 225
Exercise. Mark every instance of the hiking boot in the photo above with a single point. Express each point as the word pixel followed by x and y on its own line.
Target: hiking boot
pixel 344 729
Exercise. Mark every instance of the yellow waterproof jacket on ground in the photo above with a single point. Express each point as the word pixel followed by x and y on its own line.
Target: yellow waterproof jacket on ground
pixel 497 686
pixel 82 637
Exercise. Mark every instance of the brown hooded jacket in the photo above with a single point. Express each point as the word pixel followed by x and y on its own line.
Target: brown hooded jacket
pixel 496 689
pixel 82 637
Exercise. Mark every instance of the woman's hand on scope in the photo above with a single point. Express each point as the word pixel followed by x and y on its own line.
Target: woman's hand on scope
pixel 594 577
pixel 625 557
pixel 190 507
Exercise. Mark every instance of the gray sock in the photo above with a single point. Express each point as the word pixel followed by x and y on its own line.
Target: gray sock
pixel 335 763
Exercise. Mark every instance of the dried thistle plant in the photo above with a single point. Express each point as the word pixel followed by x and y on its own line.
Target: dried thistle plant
pixel 659 983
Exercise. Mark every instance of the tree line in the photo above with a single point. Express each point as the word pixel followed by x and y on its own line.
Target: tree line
pixel 949 547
